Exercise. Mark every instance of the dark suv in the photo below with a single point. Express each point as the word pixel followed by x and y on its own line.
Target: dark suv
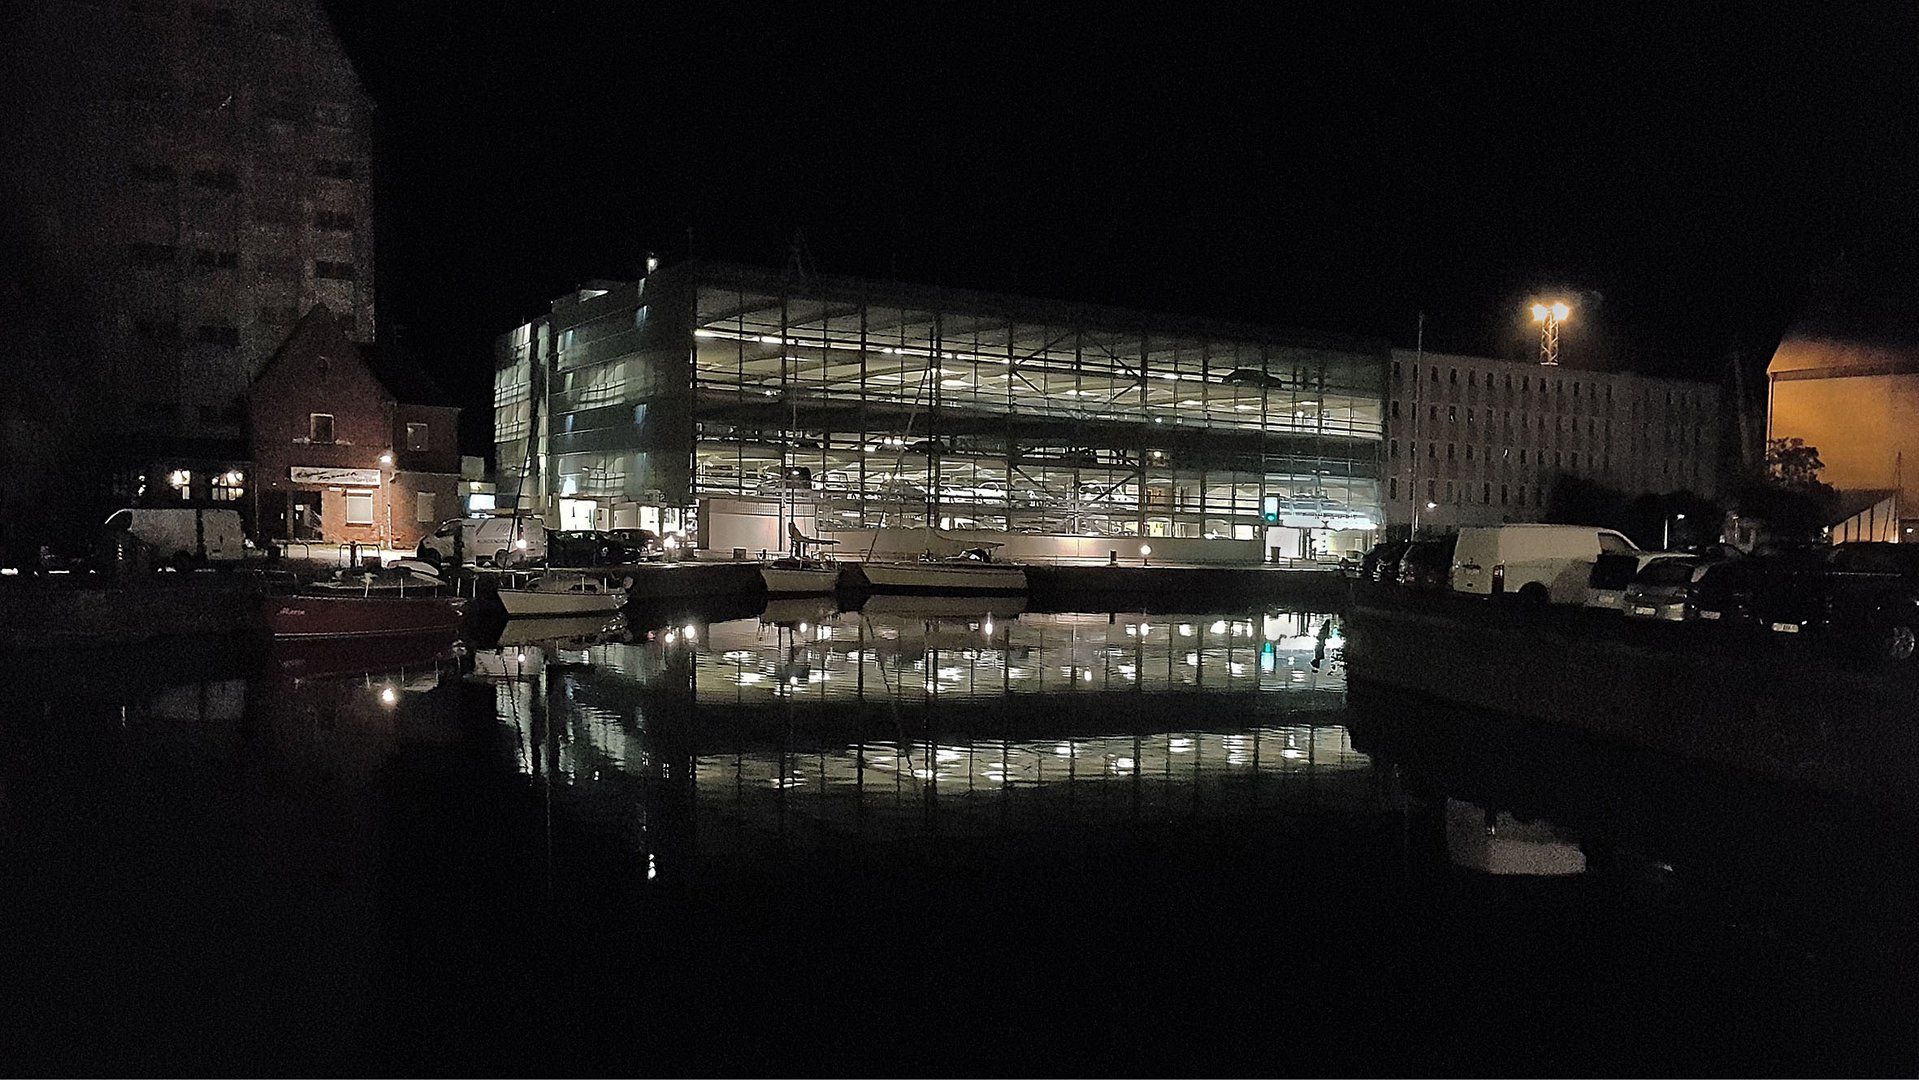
pixel 1864 596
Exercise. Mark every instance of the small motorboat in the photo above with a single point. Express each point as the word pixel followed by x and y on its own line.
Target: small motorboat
pixel 799 577
pixel 563 594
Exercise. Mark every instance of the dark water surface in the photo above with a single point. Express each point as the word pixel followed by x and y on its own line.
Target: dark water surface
pixel 929 837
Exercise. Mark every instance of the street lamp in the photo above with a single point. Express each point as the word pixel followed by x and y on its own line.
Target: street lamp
pixel 1550 315
pixel 1666 544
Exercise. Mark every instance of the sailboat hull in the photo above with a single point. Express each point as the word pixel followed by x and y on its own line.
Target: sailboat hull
pixel 935 577
pixel 797 581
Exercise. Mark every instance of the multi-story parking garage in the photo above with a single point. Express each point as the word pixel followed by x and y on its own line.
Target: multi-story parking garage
pixel 871 409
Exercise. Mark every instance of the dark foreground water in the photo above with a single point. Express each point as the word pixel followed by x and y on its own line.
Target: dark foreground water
pixel 930 837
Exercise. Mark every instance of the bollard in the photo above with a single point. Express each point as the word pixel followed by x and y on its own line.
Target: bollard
pixel 1112 556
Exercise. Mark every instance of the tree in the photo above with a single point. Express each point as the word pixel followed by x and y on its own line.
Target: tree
pixel 1794 466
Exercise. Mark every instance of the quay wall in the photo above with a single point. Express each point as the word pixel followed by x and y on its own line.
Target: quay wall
pixel 1783 709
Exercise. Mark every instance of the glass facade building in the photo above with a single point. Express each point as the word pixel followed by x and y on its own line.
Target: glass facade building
pixel 889 406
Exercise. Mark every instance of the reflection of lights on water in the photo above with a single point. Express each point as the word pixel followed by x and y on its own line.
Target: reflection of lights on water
pixel 1192 659
pixel 1219 627
pixel 652 867
pixel 1064 749
pixel 1180 746
pixel 671 637
pixel 1271 628
pixel 737 655
pixel 1185 629
pixel 1087 675
pixel 987 627
pixel 748 678
pixel 388 696
pixel 688 630
pixel 1124 764
pixel 804 627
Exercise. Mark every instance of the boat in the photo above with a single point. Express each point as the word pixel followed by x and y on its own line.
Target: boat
pixel 960 575
pixel 563 594
pixel 407 578
pixel 342 614
pixel 796 576
pixel 591 629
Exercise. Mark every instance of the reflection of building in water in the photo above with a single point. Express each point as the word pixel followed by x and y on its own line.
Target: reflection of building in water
pixel 869 726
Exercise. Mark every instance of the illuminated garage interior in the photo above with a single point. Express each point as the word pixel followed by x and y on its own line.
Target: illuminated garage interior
pixel 880 406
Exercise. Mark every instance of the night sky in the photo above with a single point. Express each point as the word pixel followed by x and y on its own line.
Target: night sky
pixel 1679 169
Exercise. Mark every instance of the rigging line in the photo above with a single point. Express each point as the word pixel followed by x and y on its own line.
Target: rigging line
pixel 900 458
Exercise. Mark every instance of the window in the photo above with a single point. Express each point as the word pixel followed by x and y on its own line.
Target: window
pixel 1503 493
pixel 333 168
pixel 1452 451
pixel 331 114
pixel 1452 376
pixel 229 486
pixel 333 271
pixel 1432 451
pixel 359 508
pixel 333 220
pixel 416 437
pixel 1392 488
pixel 1395 448
pixel 225 337
pixel 1472 379
pixel 1488 495
pixel 320 427
pixel 1429 490
pixel 1452 414
pixel 1435 376
pixel 1613 543
pixel 216 260
pixel 1395 410
pixel 1469 451
pixel 1398 375
pixel 1450 496
pixel 423 508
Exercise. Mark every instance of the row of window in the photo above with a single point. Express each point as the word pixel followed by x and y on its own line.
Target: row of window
pixel 320 430
pixel 1533 497
pixel 145 254
pixel 217 178
pixel 164 331
pixel 1686 398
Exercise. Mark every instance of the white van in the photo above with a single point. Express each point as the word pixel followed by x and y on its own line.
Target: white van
pixel 1536 563
pixel 500 541
pixel 183 537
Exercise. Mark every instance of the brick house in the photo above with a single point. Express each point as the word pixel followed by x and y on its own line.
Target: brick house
pixel 351 443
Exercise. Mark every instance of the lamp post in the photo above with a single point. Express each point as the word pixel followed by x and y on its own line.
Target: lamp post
pixel 1666 544
pixel 1145 553
pixel 1549 314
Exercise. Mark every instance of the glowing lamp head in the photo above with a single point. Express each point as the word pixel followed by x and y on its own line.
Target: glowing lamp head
pixel 1560 311
pixel 520 543
pixel 1539 313
pixel 386 458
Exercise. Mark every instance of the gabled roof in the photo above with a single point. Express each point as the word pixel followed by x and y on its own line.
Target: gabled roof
pixel 400 372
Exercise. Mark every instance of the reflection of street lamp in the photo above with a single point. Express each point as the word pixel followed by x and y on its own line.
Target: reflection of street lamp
pixel 1550 315
pixel 1666 544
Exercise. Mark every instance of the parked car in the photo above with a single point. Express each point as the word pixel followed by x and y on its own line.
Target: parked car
pixel 1663 590
pixel 1725 594
pixel 636 545
pixel 1614 571
pixel 1386 567
pixel 507 540
pixel 1863 596
pixel 1369 565
pixel 1427 564
pixel 1536 563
